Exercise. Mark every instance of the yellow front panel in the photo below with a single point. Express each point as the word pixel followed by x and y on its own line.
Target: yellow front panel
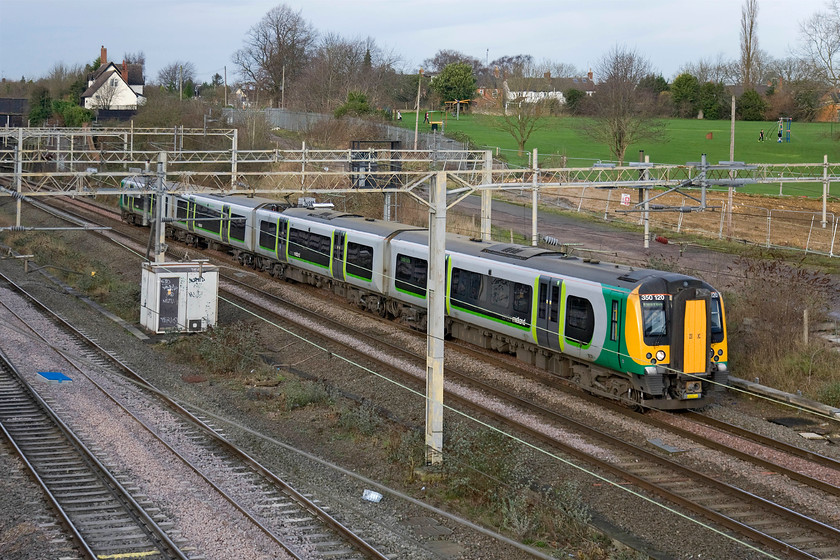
pixel 694 344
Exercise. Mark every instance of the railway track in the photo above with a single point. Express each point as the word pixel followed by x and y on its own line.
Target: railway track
pixel 289 518
pixel 761 520
pixel 773 525
pixel 97 510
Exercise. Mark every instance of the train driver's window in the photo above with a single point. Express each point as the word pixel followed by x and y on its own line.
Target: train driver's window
pixel 653 314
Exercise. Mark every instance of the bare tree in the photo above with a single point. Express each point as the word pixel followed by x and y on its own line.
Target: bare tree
pixel 175 74
pixel 445 57
pixel 707 70
pixel 623 112
pixel 820 36
pixel 105 95
pixel 136 58
pixel 276 51
pixel 521 119
pixel 749 42
pixel 339 66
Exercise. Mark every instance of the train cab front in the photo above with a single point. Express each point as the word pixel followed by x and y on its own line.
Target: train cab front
pixel 683 341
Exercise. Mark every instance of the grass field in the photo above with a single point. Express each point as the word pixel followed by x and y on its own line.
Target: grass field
pixel 685 141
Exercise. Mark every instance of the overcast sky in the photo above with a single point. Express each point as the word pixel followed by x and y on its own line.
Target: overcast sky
pixel 37 34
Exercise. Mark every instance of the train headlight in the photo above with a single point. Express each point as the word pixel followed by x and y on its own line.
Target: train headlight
pixel 660 355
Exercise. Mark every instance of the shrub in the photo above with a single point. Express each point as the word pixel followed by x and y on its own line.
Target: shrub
pixel 229 349
pixel 363 419
pixel 830 394
pixel 302 393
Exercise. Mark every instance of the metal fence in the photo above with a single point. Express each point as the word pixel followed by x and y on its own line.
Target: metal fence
pixel 794 228
pixel 300 121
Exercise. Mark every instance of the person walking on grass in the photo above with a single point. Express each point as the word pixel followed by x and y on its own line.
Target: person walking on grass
pixel 761 136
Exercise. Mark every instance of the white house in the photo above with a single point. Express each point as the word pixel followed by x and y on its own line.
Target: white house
pixel 532 90
pixel 115 87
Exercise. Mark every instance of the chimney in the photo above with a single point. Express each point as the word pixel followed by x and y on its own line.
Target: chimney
pixel 125 72
pixel 589 74
pixel 547 75
pixel 103 56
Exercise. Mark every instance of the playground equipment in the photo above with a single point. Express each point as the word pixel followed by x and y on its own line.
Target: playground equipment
pixel 784 129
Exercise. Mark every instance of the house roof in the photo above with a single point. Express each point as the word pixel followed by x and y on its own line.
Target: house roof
pixel 550 84
pixel 135 73
pixel 100 81
pixel 13 106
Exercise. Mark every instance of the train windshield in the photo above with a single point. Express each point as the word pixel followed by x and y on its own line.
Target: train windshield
pixel 653 315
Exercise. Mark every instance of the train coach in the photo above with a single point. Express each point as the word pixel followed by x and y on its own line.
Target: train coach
pixel 645 337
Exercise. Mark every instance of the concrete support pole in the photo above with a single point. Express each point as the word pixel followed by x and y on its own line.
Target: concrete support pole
pixel 534 198
pixel 486 196
pixel 825 190
pixel 234 156
pixel 436 290
pixel 18 174
pixel 160 227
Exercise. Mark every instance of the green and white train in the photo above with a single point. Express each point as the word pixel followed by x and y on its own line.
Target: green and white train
pixel 646 337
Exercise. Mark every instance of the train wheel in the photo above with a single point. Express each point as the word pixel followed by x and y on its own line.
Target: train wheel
pixel 633 398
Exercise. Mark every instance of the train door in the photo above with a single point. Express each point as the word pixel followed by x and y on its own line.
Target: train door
pixel 691 332
pixel 191 215
pixel 612 344
pixel 548 312
pixel 338 255
pixel 224 230
pixel 282 232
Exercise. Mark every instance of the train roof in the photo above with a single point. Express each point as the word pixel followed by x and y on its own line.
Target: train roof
pixel 355 222
pixel 250 202
pixel 552 261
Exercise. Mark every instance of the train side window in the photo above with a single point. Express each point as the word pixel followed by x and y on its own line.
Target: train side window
pixel 521 300
pixel 466 288
pixel 653 318
pixel 310 247
pixel 208 219
pixel 359 260
pixel 500 288
pixel 717 323
pixel 268 235
pixel 580 320
pixel 410 275
pixel 614 321
pixel 181 209
pixel 555 303
pixel 541 308
pixel 237 227
pixel 716 320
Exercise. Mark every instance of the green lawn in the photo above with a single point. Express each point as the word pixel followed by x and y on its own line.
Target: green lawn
pixel 686 141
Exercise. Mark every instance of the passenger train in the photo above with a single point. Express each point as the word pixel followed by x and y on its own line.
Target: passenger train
pixel 645 337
